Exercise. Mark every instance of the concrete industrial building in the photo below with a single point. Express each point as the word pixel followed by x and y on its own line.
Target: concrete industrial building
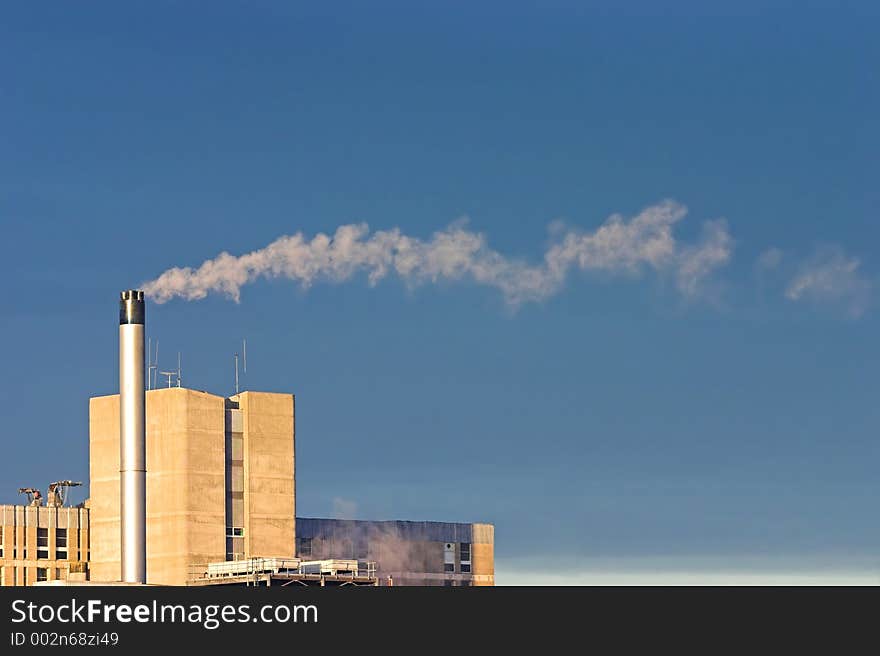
pixel 191 488
pixel 43 543
pixel 221 486
pixel 220 480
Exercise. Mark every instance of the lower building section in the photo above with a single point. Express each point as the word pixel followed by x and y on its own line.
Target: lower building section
pixel 49 544
pixel 43 543
pixel 405 553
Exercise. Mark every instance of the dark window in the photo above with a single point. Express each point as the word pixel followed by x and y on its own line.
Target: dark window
pixel 466 568
pixel 304 547
pixel 465 551
pixel 448 583
pixel 42 574
pixel 465 584
pixel 234 532
pixel 61 543
pixel 448 567
pixel 234 548
pixel 42 543
pixel 57 573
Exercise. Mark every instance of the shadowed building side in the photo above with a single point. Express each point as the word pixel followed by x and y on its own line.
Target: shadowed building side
pixel 410 553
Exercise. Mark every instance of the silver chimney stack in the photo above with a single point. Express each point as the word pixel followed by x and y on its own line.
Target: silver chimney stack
pixel 132 450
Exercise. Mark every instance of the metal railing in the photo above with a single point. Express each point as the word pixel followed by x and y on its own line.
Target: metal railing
pixel 253 569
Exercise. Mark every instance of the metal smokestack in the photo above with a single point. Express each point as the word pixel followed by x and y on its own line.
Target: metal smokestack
pixel 132 450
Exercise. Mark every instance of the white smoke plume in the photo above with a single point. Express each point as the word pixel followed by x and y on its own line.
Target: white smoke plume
pixel 645 241
pixel 832 276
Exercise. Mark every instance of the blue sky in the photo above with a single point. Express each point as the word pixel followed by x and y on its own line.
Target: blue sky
pixel 620 422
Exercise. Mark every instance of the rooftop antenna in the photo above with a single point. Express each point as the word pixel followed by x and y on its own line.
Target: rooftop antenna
pixel 153 368
pixel 244 356
pixel 152 364
pixel 236 373
pixel 170 375
pixel 178 368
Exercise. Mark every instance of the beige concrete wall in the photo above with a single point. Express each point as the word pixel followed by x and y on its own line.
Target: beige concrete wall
pixel 185 483
pixel 483 554
pixel 186 506
pixel 104 487
pixel 21 555
pixel 269 473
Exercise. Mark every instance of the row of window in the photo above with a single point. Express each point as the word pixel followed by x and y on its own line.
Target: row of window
pixel 42 545
pixel 304 550
pixel 465 568
pixel 42 574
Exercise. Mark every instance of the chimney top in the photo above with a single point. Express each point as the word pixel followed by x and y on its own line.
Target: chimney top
pixel 131 307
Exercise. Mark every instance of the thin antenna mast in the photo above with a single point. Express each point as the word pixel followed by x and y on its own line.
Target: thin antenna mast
pixel 156 366
pixel 236 373
pixel 152 365
pixel 178 368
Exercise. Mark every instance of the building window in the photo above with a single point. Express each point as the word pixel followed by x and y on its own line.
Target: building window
pixel 14 576
pixel 448 583
pixel 449 557
pixel 234 548
pixel 57 573
pixel 61 544
pixel 24 575
pixel 465 584
pixel 464 550
pixel 42 543
pixel 234 532
pixel 304 547
pixel 42 574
